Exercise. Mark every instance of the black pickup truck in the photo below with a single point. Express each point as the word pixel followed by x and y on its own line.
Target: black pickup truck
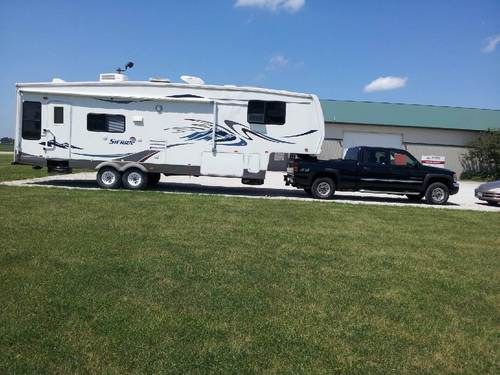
pixel 372 169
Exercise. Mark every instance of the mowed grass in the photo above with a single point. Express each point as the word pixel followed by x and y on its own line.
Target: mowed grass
pixel 9 148
pixel 10 172
pixel 131 282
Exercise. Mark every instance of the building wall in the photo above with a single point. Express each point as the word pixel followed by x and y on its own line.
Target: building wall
pixel 418 141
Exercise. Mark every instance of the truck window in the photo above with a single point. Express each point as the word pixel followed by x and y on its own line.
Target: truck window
pixel 374 156
pixel 99 122
pixel 32 120
pixel 266 112
pixel 402 159
pixel 351 154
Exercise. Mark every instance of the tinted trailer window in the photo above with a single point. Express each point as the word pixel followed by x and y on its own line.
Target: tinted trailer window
pixel 266 112
pixel 32 120
pixel 98 122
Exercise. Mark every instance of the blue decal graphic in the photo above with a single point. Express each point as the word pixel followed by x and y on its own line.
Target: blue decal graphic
pixel 54 143
pixel 230 134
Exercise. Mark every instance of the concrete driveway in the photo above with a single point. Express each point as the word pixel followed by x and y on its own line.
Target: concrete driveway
pixel 273 188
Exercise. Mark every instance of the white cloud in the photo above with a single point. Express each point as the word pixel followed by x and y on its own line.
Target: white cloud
pixel 490 44
pixel 386 83
pixel 291 6
pixel 277 62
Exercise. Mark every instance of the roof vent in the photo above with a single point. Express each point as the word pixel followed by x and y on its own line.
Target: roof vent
pixel 192 80
pixel 112 77
pixel 58 80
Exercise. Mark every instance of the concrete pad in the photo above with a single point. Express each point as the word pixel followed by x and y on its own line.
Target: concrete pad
pixel 273 188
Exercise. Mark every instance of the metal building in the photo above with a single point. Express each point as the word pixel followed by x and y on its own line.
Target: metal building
pixel 423 130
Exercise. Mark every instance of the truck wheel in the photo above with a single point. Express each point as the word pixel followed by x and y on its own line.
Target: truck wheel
pixel 153 179
pixel 109 178
pixel 437 193
pixel 323 188
pixel 308 191
pixel 134 179
pixel 415 198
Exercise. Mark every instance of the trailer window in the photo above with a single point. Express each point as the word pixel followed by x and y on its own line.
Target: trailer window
pixel 32 120
pixel 99 122
pixel 58 115
pixel 266 112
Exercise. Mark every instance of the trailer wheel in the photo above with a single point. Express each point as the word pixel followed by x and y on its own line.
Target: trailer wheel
pixel 323 188
pixel 153 179
pixel 109 178
pixel 135 179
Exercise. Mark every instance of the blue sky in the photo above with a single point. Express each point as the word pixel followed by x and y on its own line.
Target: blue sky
pixel 434 52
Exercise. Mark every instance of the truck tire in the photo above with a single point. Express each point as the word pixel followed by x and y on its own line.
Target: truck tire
pixel 415 198
pixel 323 188
pixel 153 179
pixel 437 193
pixel 135 179
pixel 308 191
pixel 109 178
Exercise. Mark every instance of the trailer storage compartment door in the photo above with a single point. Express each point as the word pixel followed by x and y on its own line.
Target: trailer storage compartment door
pixel 222 164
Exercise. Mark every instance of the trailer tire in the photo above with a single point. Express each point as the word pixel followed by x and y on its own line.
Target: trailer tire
pixel 153 179
pixel 323 188
pixel 109 178
pixel 135 179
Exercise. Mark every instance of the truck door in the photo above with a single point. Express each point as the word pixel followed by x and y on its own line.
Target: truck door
pixel 374 170
pixel 405 172
pixel 56 131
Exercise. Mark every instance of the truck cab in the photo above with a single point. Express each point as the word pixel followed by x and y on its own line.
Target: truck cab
pixel 372 169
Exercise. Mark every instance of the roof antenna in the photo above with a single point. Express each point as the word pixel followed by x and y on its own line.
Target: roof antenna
pixel 128 65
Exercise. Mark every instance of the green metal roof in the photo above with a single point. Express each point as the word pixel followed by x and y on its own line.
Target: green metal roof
pixel 414 115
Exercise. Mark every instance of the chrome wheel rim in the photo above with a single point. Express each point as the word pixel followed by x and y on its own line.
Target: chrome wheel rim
pixel 134 179
pixel 438 194
pixel 323 189
pixel 108 178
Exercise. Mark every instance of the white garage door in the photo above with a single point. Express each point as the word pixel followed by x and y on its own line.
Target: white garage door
pixel 352 139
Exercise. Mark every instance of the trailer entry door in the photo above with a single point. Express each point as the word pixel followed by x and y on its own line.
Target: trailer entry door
pixel 56 131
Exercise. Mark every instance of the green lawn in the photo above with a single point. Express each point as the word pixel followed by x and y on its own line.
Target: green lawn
pixel 120 282
pixel 17 172
pixel 6 147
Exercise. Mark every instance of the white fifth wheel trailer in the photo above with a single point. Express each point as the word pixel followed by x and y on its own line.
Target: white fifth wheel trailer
pixel 132 131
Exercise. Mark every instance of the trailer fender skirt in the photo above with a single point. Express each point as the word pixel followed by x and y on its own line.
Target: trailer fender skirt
pixel 122 166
